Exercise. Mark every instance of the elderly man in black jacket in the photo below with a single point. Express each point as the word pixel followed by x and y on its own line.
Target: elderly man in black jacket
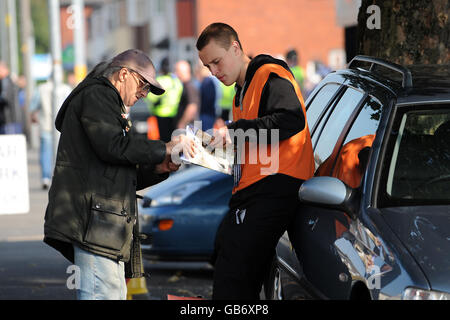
pixel 91 216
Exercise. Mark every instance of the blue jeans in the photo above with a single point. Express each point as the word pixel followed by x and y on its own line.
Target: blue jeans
pixel 46 154
pixel 100 278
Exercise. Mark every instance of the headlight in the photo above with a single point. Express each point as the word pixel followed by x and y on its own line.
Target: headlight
pixel 420 294
pixel 179 194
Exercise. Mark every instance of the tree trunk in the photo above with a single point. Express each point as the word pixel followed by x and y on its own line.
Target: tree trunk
pixel 404 31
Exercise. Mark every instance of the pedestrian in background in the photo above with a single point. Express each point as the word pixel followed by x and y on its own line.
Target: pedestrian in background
pixel 91 216
pixel 226 101
pixel 188 107
pixel 11 117
pixel 41 113
pixel 263 202
pixel 165 107
pixel 209 99
pixel 294 64
pixel 21 95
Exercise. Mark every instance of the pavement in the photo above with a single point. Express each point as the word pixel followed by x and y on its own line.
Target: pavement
pixel 29 269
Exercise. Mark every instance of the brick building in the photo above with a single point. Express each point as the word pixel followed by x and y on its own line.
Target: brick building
pixel 274 26
pixel 170 27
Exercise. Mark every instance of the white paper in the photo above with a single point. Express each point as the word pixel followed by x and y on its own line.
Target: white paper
pixel 218 159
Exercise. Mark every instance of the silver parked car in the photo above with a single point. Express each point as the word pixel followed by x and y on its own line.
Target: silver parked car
pixel 374 222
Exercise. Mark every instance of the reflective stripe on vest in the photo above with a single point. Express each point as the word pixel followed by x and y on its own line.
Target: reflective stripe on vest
pixel 293 156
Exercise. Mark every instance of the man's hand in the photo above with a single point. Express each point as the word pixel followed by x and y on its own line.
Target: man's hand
pixel 221 138
pixel 34 117
pixel 166 166
pixel 180 144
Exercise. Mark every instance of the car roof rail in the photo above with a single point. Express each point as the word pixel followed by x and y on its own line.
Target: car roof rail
pixel 406 74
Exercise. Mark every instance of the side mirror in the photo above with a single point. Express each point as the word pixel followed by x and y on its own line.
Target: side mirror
pixel 331 193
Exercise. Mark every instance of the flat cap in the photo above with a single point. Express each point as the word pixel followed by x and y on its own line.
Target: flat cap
pixel 139 62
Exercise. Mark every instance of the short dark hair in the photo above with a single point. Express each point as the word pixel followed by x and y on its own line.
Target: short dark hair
pixel 292 56
pixel 220 32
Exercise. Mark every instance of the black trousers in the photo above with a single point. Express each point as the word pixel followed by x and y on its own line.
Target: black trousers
pixel 246 241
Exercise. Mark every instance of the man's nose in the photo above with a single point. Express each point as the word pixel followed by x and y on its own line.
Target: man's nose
pixel 142 94
pixel 214 71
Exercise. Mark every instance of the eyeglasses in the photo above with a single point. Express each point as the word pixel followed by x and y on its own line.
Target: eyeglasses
pixel 142 84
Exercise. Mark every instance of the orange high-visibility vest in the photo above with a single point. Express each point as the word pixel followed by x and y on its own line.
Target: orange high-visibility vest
pixel 347 166
pixel 294 156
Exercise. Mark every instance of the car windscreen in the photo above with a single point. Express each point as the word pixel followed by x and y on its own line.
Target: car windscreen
pixel 416 168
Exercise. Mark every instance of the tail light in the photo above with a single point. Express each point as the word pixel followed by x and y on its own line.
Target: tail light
pixel 165 224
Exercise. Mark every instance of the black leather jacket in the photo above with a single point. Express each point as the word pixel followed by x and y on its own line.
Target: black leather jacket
pixel 100 164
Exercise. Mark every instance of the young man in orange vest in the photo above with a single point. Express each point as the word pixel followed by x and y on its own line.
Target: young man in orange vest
pixel 273 159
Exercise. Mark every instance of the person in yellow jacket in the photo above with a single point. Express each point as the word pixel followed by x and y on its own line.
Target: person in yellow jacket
pixel 165 107
pixel 293 63
pixel 226 101
pixel 271 162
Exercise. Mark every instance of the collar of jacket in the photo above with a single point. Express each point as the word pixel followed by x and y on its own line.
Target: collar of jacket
pixel 253 66
pixel 88 81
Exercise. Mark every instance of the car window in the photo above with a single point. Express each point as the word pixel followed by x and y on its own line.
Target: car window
pixel 334 125
pixel 319 102
pixel 353 157
pixel 418 166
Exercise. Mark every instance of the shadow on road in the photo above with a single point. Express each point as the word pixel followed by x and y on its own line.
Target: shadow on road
pixel 30 270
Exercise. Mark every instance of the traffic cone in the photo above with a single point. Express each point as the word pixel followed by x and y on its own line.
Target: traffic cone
pixel 152 128
pixel 137 289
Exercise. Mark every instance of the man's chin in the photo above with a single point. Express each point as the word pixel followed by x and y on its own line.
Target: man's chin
pixel 226 82
pixel 132 104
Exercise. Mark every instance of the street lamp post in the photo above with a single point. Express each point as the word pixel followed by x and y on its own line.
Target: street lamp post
pixel 80 68
pixel 57 74
pixel 12 30
pixel 27 53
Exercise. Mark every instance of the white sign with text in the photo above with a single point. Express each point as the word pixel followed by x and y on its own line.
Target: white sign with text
pixel 14 194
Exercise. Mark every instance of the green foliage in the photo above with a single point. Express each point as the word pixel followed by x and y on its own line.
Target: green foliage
pixel 39 15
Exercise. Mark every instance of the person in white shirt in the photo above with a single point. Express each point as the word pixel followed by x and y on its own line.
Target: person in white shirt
pixel 41 112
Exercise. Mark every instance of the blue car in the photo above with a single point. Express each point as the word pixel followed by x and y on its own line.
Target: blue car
pixel 180 215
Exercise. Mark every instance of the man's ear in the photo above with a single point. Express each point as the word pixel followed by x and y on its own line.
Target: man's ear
pixel 123 74
pixel 236 48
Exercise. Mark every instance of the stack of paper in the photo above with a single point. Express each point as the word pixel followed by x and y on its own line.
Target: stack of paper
pixel 218 159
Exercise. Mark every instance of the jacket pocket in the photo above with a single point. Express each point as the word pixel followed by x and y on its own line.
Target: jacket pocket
pixel 109 225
